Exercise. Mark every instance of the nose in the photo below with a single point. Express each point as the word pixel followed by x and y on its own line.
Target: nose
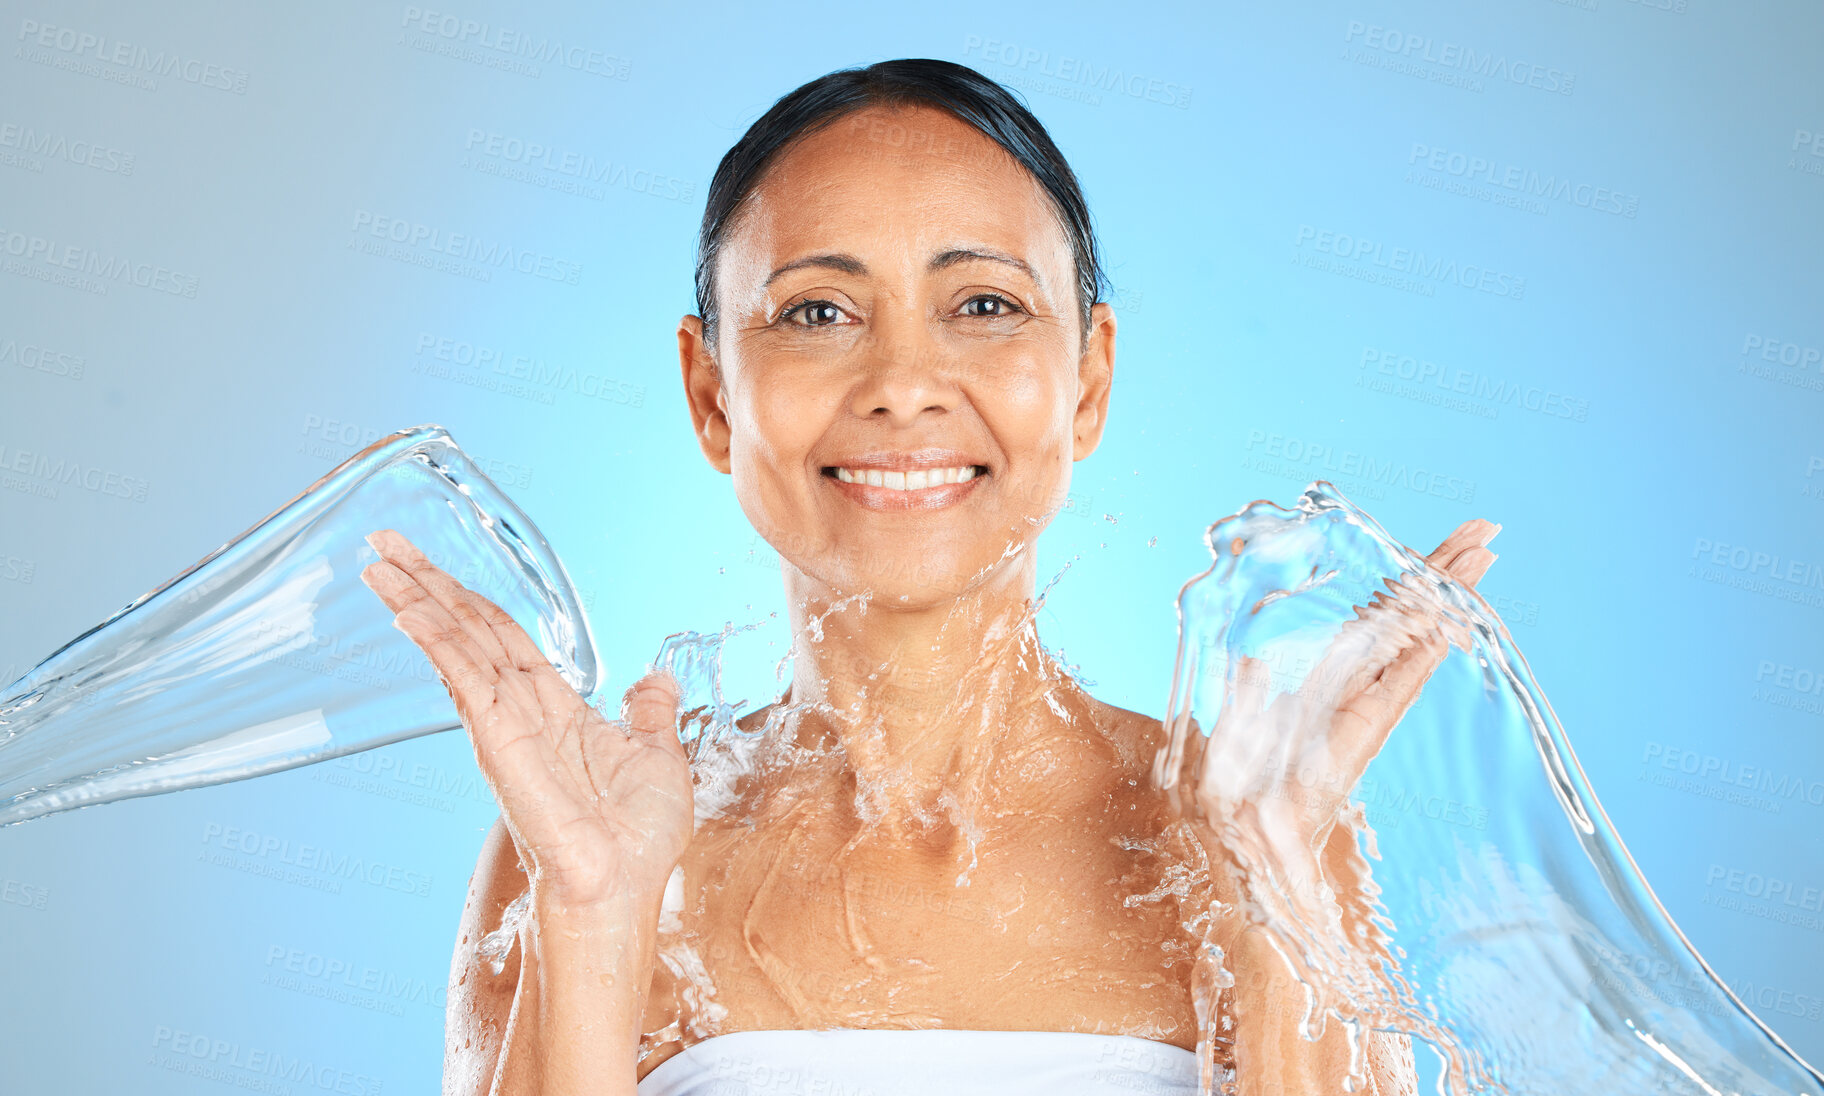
pixel 905 378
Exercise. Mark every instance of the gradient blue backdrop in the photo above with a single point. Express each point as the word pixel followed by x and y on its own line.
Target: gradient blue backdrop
pixel 1629 381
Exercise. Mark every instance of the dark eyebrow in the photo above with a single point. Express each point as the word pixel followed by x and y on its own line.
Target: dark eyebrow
pixel 963 255
pixel 849 264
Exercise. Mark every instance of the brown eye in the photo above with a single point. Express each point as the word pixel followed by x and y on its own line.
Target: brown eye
pixel 819 313
pixel 1002 306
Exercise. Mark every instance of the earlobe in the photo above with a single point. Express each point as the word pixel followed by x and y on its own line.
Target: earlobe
pixel 704 394
pixel 1095 380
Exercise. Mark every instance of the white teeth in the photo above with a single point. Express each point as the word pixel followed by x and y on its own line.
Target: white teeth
pixel 906 481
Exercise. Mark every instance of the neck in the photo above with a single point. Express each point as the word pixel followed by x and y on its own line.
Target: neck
pixel 922 701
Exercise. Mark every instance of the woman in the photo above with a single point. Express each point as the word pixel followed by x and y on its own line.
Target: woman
pixel 899 355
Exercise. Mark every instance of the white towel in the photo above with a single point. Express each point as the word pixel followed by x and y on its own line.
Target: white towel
pixel 927 1062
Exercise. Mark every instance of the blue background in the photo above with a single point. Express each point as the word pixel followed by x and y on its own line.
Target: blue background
pixel 1615 410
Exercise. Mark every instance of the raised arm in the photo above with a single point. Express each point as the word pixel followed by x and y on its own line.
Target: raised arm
pixel 1271 783
pixel 1271 1057
pixel 480 1001
pixel 596 814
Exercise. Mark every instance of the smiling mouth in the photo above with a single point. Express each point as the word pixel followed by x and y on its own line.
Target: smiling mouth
pixel 915 480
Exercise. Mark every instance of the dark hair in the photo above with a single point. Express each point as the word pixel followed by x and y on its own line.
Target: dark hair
pixel 957 89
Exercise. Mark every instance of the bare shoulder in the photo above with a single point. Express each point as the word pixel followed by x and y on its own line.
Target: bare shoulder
pixel 1140 737
pixel 480 1001
pixel 1137 728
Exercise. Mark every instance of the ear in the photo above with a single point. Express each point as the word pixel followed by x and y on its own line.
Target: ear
pixel 1095 377
pixel 703 390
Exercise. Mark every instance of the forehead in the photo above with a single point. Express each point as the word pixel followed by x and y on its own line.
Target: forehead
pixel 916 179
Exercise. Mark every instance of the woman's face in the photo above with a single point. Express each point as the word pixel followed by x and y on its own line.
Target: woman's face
pixel 898 301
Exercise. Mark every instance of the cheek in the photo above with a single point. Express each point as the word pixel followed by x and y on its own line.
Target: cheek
pixel 771 437
pixel 769 420
pixel 1034 416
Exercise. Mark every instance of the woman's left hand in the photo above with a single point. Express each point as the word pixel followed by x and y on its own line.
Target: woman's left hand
pixel 1283 770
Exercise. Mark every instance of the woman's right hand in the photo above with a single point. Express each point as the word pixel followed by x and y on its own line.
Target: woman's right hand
pixel 602 811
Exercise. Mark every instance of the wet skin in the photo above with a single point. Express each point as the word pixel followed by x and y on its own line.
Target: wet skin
pixel 885 302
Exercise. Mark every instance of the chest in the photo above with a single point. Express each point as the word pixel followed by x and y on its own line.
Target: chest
pixel 1060 926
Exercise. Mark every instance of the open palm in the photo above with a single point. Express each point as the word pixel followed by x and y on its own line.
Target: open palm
pixel 598 809
pixel 1270 781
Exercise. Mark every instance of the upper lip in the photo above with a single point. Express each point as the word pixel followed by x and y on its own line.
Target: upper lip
pixel 910 460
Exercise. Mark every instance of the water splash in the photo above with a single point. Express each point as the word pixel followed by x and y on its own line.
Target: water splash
pixel 1507 929
pixel 1510 929
pixel 498 944
pixel 772 771
pixel 270 653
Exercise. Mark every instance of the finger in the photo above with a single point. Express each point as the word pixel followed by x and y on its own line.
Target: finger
pixel 446 591
pixel 554 698
pixel 1363 724
pixel 466 674
pixel 1402 613
pixel 1469 567
pixel 535 695
pixel 1364 645
pixel 511 748
pixel 1237 750
pixel 401 593
pixel 1473 533
pixel 520 647
pixel 651 705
